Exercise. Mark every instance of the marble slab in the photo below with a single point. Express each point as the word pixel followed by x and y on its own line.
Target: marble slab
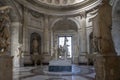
pixel 60 66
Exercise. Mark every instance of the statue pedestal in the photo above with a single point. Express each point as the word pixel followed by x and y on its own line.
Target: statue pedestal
pixel 6 71
pixel 107 67
pixel 60 66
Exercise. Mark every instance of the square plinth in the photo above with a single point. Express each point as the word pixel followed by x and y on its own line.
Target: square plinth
pixel 60 66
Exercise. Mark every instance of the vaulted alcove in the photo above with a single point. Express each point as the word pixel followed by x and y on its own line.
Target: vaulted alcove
pixel 67 28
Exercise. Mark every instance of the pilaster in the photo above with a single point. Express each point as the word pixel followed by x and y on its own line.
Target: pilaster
pixel 15 43
pixel 83 47
pixel 46 35
pixel 26 51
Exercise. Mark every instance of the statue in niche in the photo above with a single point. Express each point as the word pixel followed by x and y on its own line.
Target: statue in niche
pixel 35 45
pixel 35 49
pixel 4 29
pixel 104 26
pixel 96 44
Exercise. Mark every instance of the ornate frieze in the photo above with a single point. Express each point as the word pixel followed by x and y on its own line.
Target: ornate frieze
pixel 60 10
pixel 61 2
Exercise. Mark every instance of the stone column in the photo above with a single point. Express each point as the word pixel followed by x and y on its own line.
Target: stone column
pixel 26 51
pixel 83 39
pixel 15 43
pixel 46 35
pixel 52 50
pixel 106 60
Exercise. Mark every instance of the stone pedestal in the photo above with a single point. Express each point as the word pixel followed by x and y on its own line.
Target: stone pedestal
pixel 60 66
pixel 6 68
pixel 107 67
pixel 46 58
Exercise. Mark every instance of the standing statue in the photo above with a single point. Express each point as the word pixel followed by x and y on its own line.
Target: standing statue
pixel 35 46
pixel 60 50
pixel 4 29
pixel 105 24
pixel 65 48
pixel 96 44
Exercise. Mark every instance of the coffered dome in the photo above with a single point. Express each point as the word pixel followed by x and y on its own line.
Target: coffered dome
pixel 60 2
pixel 60 7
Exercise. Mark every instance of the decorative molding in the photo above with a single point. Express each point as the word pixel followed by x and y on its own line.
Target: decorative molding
pixel 35 14
pixel 68 10
pixel 60 2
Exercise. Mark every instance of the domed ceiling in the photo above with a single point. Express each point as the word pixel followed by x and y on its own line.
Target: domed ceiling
pixel 60 7
pixel 60 2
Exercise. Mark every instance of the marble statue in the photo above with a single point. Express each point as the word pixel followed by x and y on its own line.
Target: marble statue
pixel 63 50
pixel 105 23
pixel 4 29
pixel 107 62
pixel 36 56
pixel 35 46
pixel 60 50
pixel 96 44
pixel 62 64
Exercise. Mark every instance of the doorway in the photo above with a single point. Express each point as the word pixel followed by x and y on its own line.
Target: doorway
pixel 66 40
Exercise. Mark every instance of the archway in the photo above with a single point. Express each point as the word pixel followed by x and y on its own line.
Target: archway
pixel 66 28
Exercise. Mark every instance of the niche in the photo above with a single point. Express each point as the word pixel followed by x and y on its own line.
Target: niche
pixel 35 44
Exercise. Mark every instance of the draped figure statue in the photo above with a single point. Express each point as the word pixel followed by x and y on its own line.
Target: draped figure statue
pixel 4 29
pixel 63 50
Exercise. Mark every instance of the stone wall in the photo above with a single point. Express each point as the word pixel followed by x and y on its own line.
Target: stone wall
pixel 107 67
pixel 6 68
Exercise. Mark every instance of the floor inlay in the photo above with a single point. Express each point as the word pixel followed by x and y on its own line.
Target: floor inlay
pixel 76 70
pixel 42 73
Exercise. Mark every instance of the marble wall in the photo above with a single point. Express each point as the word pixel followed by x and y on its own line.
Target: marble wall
pixel 44 25
pixel 116 25
pixel 116 33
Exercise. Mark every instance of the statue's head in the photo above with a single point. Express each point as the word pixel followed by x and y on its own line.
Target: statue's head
pixel 35 37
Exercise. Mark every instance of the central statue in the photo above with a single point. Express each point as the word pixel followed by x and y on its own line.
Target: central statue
pixel 63 50
pixel 63 64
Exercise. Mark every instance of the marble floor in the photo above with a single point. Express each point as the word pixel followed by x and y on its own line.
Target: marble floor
pixel 42 73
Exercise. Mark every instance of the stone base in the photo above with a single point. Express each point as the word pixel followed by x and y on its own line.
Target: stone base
pixel 60 66
pixel 82 59
pixel 27 61
pixel 6 66
pixel 107 67
pixel 46 58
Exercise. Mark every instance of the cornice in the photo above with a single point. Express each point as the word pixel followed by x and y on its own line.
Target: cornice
pixel 69 10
